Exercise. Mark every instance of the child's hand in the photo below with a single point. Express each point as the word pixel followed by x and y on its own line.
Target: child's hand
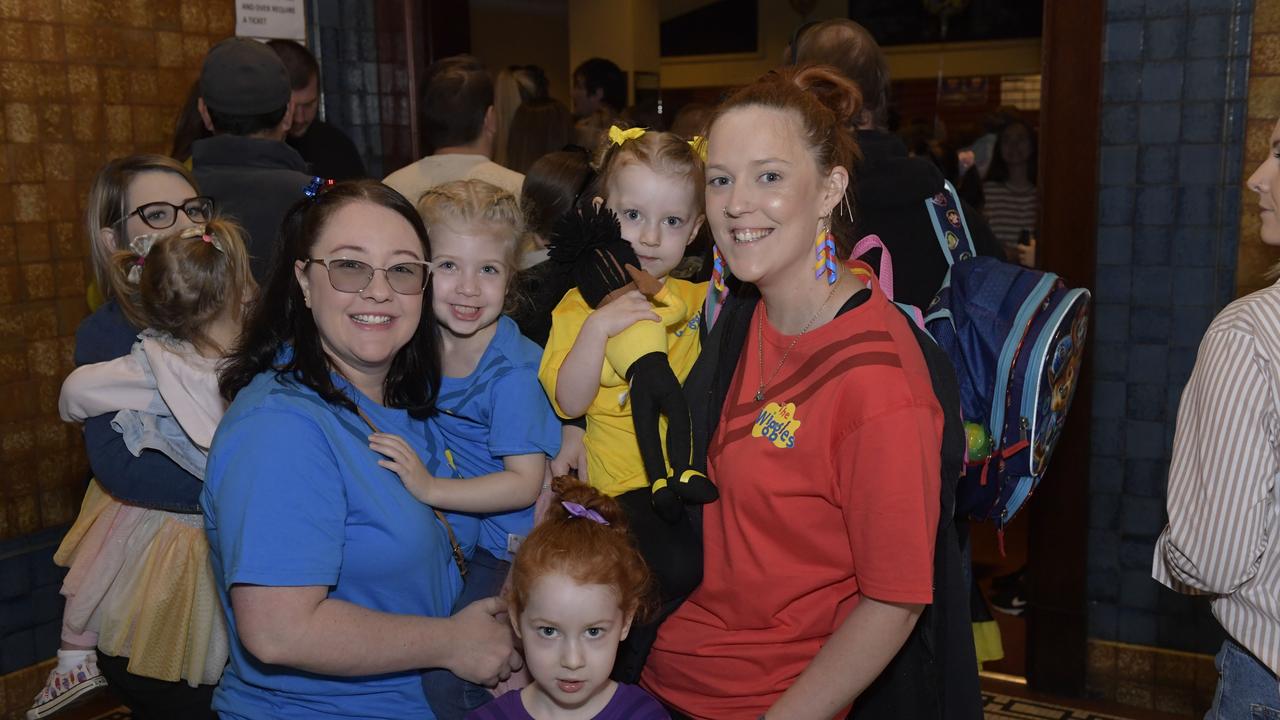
pixel 403 461
pixel 625 311
pixel 573 453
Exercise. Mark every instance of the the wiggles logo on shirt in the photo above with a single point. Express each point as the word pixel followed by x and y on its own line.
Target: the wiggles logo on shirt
pixel 777 424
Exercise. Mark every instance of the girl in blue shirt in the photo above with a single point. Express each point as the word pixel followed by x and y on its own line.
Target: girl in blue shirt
pixel 494 417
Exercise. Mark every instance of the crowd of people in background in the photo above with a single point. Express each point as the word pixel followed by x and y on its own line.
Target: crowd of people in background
pixel 373 448
pixel 320 410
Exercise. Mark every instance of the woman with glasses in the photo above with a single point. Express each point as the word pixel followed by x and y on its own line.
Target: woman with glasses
pixel 335 580
pixel 160 592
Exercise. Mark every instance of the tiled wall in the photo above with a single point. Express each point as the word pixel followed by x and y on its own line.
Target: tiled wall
pixel 80 82
pixel 1175 682
pixel 362 53
pixel 1173 127
pixel 30 606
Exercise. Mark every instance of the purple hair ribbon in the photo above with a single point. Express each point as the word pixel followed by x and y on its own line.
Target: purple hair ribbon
pixel 577 510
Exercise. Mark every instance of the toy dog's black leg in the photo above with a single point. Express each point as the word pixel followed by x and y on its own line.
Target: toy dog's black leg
pixel 647 382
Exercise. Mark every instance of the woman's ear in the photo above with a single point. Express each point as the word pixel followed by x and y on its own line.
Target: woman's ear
pixel 109 239
pixel 300 272
pixel 836 185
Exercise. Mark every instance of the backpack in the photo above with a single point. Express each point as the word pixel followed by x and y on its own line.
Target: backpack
pixel 1016 338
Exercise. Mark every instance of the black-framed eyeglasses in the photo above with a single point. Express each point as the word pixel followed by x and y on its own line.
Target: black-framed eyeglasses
pixel 161 215
pixel 353 276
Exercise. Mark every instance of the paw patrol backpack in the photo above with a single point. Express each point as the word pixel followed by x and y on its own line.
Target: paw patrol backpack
pixel 1016 337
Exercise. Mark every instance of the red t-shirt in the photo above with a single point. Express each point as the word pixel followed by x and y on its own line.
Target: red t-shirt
pixel 829 490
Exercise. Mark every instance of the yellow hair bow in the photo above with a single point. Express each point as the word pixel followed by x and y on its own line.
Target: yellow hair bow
pixel 699 145
pixel 617 135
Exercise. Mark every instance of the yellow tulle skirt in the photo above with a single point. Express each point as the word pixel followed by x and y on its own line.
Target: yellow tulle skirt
pixel 141 580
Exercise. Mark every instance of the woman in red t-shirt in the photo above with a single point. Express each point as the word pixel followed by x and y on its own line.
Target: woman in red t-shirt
pixel 827 439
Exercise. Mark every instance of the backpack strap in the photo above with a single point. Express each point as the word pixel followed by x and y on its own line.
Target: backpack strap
pixel 949 224
pixel 885 275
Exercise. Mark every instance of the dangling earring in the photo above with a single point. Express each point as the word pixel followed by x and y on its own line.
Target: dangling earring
pixel 718 269
pixel 824 249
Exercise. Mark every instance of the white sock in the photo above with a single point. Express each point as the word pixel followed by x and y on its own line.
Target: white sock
pixel 68 659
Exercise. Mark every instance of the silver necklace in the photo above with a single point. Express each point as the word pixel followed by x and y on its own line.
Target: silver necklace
pixel 760 342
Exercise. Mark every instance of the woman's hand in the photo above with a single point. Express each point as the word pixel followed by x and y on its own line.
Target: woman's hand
pixel 483 647
pixel 403 461
pixel 623 312
pixel 573 453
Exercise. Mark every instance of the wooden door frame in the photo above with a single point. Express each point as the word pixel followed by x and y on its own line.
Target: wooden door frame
pixel 1070 121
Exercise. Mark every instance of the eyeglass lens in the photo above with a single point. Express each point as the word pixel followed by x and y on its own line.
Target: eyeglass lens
pixel 161 215
pixel 354 276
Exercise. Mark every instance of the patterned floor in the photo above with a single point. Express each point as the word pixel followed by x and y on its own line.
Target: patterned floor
pixel 1002 706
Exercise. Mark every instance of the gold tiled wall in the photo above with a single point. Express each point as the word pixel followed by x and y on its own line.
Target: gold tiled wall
pixel 1173 682
pixel 81 81
pixel 1254 258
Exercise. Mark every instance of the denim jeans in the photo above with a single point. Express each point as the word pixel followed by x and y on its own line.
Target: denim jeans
pixel 449 696
pixel 1247 690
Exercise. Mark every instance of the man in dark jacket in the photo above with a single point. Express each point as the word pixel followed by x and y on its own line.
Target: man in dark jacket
pixel 891 187
pixel 246 167
pixel 327 149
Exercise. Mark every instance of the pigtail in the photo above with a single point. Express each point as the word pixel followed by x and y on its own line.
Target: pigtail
pixel 180 281
pixel 127 266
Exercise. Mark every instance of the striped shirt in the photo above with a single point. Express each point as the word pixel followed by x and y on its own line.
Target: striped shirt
pixel 1009 211
pixel 1223 521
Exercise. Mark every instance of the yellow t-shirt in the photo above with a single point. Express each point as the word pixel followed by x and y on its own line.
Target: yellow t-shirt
pixel 613 455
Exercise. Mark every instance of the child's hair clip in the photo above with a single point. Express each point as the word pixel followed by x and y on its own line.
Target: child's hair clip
pixel 317 184
pixel 699 145
pixel 582 511
pixel 617 135
pixel 140 246
pixel 202 232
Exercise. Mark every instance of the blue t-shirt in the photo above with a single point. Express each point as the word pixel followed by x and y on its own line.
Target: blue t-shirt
pixel 293 496
pixel 500 409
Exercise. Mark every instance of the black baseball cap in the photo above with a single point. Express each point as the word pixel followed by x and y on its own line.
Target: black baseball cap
pixel 244 77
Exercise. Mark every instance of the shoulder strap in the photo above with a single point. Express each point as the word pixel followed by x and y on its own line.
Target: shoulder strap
pixel 949 224
pixel 459 558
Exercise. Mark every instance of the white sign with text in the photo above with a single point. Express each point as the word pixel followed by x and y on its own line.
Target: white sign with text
pixel 271 19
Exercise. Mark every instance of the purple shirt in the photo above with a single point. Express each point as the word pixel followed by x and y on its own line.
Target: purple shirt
pixel 629 702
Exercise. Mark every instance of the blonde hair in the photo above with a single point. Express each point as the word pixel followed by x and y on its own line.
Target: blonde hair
pixel 106 208
pixel 475 202
pixel 188 277
pixel 662 152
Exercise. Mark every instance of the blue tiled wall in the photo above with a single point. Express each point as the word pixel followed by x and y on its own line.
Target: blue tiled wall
pixel 30 606
pixel 1174 86
pixel 344 31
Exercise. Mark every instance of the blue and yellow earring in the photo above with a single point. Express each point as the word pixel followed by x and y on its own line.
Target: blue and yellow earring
pixel 824 249
pixel 718 270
